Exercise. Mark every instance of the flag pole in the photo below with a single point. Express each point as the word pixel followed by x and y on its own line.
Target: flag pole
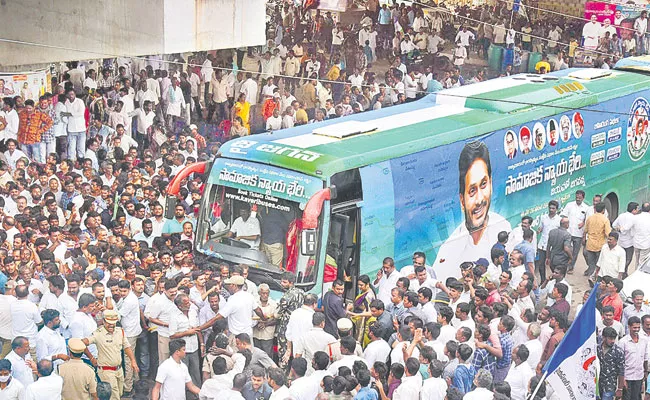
pixel 541 382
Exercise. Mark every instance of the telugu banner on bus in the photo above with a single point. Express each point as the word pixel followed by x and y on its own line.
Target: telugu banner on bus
pixel 452 201
pixel 28 85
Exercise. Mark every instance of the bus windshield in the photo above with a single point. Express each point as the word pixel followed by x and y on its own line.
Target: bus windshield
pixel 245 227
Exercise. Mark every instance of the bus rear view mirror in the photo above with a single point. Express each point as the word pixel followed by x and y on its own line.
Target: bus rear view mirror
pixel 170 206
pixel 308 242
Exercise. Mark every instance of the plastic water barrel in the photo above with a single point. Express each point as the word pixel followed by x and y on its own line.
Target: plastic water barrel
pixel 532 60
pixel 495 56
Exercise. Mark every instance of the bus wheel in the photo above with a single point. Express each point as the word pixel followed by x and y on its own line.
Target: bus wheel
pixel 611 204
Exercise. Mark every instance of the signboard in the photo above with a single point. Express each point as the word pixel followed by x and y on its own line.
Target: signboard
pixel 333 5
pixel 28 85
pixel 263 184
pixel 621 15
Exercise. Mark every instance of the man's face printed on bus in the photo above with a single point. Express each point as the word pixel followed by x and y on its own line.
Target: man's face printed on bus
pixel 476 196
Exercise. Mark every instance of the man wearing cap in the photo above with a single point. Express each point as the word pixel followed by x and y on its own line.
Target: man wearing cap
pixel 79 380
pixel 110 341
pixel 344 327
pixel 239 308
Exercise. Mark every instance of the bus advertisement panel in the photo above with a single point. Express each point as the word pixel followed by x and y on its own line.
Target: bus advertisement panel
pixel 453 200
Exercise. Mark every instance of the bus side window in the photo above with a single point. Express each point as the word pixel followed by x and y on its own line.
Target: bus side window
pixel 348 186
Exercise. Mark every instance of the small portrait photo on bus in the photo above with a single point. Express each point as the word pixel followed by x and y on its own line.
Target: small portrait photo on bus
pixel 578 125
pixel 565 128
pixel 551 127
pixel 539 133
pixel 525 142
pixel 510 144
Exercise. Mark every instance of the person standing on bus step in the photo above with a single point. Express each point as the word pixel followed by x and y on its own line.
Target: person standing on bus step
pixel 623 225
pixel 597 229
pixel 576 211
pixel 547 223
pixel 641 233
pixel 474 238
pixel 386 280
pixel 111 341
pixel 292 299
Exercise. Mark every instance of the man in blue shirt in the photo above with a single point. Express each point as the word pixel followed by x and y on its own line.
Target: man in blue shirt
pixel 257 388
pixel 527 248
pixel 175 225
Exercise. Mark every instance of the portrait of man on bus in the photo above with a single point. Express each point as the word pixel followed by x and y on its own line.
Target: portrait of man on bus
pixel 473 238
pixel 510 144
pixel 540 136
pixel 524 139
pixel 552 132
pixel 565 127
pixel 578 125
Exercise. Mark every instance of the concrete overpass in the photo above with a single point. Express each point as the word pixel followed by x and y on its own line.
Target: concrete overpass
pixel 89 29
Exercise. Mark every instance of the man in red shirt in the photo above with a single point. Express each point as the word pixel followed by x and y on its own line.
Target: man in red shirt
pixel 32 124
pixel 613 298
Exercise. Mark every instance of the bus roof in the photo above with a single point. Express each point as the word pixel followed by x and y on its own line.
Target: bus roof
pixel 325 148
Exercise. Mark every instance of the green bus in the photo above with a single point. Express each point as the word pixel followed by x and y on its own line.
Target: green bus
pixel 442 175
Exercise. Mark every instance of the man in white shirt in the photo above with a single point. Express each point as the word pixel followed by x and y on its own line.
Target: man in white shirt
pixel 274 122
pixel 348 347
pixel 435 387
pixel 75 111
pixel 239 308
pixel 641 229
pixel 623 225
pixel 11 117
pixel 25 317
pixel 50 345
pixel 159 311
pixel 302 387
pixel 22 365
pixel 277 382
pixel 250 89
pixel 377 349
pixel 386 280
pixel 576 211
pixel 58 299
pixel 83 323
pixel 128 307
pixel 246 228
pixel 611 261
pixel 520 373
pixel 411 382
pixel 173 377
pixel 48 386
pixel 300 324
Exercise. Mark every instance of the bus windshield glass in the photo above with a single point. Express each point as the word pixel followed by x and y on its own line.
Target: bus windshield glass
pixel 248 218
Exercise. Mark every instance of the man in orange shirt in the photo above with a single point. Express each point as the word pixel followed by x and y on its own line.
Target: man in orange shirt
pixel 613 298
pixel 597 228
pixel 32 124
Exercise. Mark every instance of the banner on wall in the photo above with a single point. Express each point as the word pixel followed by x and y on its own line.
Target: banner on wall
pixel 28 85
pixel 620 15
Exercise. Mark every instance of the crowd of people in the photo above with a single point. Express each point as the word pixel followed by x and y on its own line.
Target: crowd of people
pixel 102 297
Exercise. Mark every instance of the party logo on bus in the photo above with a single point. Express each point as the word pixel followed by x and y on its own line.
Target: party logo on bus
pixel 637 129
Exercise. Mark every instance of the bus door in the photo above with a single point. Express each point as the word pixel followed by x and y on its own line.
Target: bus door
pixel 343 247
pixel 344 237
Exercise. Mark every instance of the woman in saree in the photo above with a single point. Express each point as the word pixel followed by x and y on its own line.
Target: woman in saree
pixel 242 109
pixel 360 314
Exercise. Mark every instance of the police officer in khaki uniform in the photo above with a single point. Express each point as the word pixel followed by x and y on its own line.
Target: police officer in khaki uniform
pixel 79 380
pixel 344 326
pixel 110 341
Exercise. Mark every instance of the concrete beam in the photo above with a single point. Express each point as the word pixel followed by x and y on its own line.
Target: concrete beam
pixel 80 29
